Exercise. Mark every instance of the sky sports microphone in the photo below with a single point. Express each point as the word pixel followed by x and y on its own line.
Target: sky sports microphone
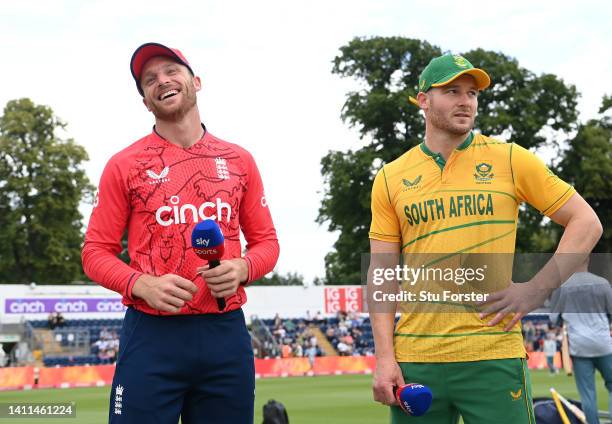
pixel 208 243
pixel 414 399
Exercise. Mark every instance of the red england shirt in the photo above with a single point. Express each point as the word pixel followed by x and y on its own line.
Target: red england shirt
pixel 158 191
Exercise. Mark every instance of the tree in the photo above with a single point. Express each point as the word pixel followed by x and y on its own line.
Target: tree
pixel 530 110
pixel 276 279
pixel 587 165
pixel 42 183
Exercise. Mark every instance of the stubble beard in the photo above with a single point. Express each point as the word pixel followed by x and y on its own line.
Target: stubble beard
pixel 443 123
pixel 178 112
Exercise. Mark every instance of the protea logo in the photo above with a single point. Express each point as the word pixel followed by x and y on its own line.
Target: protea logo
pixel 460 61
pixel 483 169
pixel 182 214
pixel 483 173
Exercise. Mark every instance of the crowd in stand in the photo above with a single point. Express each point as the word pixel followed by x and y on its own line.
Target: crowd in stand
pixel 535 333
pixel 55 320
pixel 350 334
pixel 106 347
pixel 295 337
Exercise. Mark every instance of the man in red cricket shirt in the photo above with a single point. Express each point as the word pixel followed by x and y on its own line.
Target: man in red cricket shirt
pixel 179 355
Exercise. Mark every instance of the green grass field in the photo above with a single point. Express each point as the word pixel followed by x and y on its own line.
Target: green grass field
pixel 334 399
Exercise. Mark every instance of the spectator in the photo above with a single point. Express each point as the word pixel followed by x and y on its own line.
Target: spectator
pixel 52 320
pixel 343 348
pixel 348 339
pixel 286 351
pixel 357 321
pixel 584 302
pixel 105 334
pixel 313 341
pixel 550 350
pixel 101 346
pixel 298 352
pixel 311 353
pixel 270 349
pixel 111 355
pixel 55 320
pixel 289 325
pixel 280 333
pixel 60 320
pixel 528 330
pixel 2 356
pixel 22 355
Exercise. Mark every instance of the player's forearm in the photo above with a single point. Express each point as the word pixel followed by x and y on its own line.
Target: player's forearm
pixel 580 235
pixel 382 313
pixel 578 239
pixel 383 325
pixel 261 258
pixel 105 268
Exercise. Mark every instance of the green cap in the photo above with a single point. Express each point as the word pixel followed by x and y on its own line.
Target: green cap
pixel 444 69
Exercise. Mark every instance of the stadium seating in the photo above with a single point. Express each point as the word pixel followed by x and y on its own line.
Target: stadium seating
pixel 63 361
pixel 362 342
pixel 62 335
pixel 295 330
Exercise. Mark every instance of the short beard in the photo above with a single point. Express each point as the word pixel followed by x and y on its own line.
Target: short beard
pixel 177 114
pixel 440 122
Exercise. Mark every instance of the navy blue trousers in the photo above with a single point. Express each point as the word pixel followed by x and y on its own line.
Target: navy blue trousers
pixel 198 367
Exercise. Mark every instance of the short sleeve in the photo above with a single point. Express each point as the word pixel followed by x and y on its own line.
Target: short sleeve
pixel 385 224
pixel 535 183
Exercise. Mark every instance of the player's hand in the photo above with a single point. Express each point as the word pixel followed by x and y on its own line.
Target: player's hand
pixel 518 300
pixel 224 280
pixel 167 293
pixel 387 375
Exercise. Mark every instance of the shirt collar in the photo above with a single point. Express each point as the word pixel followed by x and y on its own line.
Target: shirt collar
pixel 160 136
pixel 464 145
pixel 437 157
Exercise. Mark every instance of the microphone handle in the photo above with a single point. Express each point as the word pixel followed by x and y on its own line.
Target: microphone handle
pixel 220 301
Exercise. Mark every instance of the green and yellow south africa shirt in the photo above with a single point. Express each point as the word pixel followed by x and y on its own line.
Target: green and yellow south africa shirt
pixel 449 209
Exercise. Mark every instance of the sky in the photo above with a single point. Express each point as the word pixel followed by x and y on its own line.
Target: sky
pixel 266 74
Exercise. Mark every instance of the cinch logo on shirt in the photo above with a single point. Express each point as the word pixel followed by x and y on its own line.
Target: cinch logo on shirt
pixel 181 214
